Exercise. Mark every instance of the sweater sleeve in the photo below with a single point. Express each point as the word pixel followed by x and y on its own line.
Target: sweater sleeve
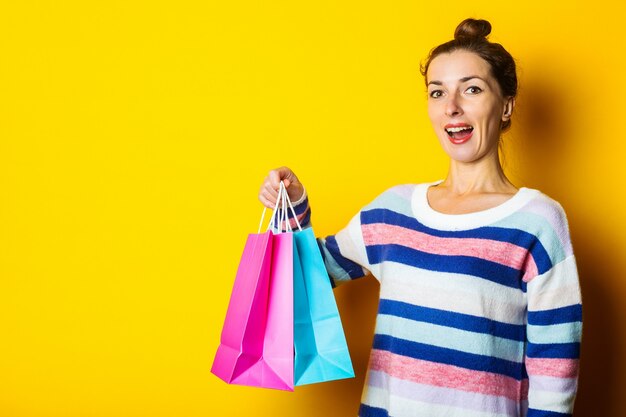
pixel 343 253
pixel 554 330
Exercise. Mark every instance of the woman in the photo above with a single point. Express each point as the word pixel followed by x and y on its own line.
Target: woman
pixel 480 309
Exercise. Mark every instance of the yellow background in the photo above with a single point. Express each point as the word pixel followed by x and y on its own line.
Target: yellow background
pixel 134 136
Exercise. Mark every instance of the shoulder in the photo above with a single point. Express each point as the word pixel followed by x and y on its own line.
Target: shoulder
pixel 544 217
pixel 401 190
pixel 549 209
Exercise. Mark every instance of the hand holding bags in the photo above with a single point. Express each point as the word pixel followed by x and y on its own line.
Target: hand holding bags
pixel 282 297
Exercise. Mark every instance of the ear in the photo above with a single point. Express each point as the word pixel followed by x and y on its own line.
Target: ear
pixel 507 111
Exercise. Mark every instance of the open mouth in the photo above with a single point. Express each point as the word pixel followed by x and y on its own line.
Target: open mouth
pixel 459 134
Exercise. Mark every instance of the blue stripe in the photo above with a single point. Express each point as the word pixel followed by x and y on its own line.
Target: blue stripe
pixel 567 314
pixel 367 411
pixel 300 208
pixel 543 413
pixel 448 356
pixel 554 350
pixel 306 220
pixel 468 265
pixel 450 319
pixel 304 223
pixel 516 237
pixel 353 269
pixel 539 253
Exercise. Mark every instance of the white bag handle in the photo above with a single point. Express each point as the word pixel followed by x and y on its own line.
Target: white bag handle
pixel 287 201
pixel 282 201
pixel 292 210
pixel 283 210
pixel 271 224
pixel 276 216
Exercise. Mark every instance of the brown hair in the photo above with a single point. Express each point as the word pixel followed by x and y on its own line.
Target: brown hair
pixel 471 35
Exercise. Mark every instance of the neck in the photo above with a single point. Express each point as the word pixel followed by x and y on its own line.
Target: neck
pixel 483 176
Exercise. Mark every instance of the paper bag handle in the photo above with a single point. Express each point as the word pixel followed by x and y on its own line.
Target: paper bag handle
pixel 282 201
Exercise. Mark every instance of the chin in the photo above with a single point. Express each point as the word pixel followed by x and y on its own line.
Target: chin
pixel 461 153
pixel 466 157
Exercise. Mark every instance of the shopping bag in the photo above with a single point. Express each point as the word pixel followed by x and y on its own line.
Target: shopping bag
pixel 256 345
pixel 320 344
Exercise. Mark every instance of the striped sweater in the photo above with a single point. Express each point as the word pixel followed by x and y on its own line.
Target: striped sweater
pixel 480 314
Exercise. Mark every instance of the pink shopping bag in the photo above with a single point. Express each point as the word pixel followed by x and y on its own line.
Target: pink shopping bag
pixel 256 347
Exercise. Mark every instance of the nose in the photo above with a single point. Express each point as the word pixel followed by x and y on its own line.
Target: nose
pixel 453 106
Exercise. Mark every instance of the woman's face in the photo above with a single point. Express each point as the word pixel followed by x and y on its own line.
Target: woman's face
pixel 465 105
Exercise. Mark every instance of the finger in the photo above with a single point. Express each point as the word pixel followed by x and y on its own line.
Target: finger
pixel 266 202
pixel 269 198
pixel 275 176
pixel 286 174
pixel 266 186
pixel 291 176
pixel 271 191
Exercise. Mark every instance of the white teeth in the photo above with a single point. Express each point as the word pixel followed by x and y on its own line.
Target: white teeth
pixel 458 129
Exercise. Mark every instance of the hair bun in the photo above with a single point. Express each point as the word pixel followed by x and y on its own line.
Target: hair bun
pixel 472 28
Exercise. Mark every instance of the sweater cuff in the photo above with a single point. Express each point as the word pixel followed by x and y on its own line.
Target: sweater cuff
pixel 301 199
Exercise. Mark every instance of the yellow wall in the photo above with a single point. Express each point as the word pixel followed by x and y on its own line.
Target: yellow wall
pixel 134 136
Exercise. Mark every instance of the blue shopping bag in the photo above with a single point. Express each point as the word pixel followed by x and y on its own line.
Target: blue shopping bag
pixel 321 351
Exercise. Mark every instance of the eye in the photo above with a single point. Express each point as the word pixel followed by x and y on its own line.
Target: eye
pixel 435 93
pixel 474 90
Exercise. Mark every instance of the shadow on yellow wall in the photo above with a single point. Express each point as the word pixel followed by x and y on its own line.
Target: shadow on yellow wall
pixel 551 115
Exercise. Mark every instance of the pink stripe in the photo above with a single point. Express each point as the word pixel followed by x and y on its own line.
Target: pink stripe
pixel 292 221
pixel 449 376
pixel 501 252
pixel 560 368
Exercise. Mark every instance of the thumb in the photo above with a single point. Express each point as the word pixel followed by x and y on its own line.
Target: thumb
pixel 282 174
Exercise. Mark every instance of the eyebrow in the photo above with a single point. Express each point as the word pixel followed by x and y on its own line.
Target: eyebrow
pixel 464 79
